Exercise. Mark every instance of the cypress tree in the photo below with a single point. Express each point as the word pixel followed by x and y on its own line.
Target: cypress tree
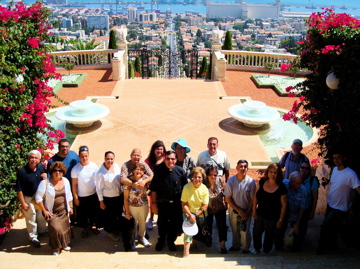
pixel 228 41
pixel 112 40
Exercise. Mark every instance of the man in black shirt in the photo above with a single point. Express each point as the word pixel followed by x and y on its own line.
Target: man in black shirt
pixel 166 187
pixel 28 180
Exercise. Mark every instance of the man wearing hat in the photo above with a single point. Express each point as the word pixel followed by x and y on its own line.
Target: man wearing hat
pixel 186 162
pixel 292 161
pixel 214 157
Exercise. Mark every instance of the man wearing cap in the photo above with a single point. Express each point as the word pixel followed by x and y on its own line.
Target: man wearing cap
pixel 166 187
pixel 239 193
pixel 343 181
pixel 28 180
pixel 214 157
pixel 292 161
pixel 183 160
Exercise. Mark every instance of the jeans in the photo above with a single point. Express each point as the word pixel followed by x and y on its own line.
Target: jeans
pixel 240 238
pixel 331 226
pixel 35 221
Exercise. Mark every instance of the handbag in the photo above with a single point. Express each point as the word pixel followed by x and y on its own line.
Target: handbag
pixel 37 206
pixel 203 235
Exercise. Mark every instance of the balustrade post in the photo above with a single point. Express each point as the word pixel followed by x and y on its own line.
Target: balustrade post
pixel 116 69
pixel 216 47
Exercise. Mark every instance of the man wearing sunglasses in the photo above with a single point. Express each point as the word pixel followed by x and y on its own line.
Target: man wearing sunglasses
pixel 166 187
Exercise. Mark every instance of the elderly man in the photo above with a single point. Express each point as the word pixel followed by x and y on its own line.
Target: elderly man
pixel 126 168
pixel 214 157
pixel 292 161
pixel 28 180
pixel 343 180
pixel 239 193
pixel 66 156
pixel 297 204
pixel 166 187
pixel 311 183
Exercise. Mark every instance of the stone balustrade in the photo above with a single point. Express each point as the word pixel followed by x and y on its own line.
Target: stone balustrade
pixel 95 59
pixel 222 60
pixel 255 61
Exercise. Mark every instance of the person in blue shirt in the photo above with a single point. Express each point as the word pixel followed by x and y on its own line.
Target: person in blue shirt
pixel 66 156
pixel 297 203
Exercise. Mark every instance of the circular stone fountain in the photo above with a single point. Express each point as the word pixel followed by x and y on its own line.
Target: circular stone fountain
pixel 82 113
pixel 253 114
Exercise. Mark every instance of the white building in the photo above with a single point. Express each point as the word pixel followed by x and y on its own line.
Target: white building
pixel 98 22
pixel 66 23
pixel 132 14
pixel 243 10
pixel 146 16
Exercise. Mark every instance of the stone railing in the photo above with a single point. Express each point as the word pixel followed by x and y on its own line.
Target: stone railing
pixel 94 59
pixel 255 61
pixel 219 68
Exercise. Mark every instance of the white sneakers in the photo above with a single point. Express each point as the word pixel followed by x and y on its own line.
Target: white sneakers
pixel 144 241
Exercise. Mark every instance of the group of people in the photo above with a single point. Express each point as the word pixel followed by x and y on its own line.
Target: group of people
pixel 173 186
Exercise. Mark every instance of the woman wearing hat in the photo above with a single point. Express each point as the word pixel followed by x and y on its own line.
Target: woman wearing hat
pixel 186 162
pixel 195 201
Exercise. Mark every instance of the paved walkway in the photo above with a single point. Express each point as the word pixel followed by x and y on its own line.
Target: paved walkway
pixel 147 110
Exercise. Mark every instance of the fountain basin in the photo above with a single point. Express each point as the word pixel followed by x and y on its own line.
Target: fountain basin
pixel 82 113
pixel 253 114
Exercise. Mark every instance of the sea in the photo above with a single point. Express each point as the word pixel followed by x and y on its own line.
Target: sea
pixel 350 6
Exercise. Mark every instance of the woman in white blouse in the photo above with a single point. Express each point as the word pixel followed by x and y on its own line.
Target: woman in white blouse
pixel 84 192
pixel 108 191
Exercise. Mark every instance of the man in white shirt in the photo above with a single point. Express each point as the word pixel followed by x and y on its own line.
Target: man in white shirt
pixel 343 181
pixel 214 157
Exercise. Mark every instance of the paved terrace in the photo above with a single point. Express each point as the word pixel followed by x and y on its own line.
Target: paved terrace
pixel 147 110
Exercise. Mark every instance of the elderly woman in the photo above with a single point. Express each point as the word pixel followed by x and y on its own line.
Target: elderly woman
pixel 217 207
pixel 186 162
pixel 84 192
pixel 136 202
pixel 108 191
pixel 194 200
pixel 269 207
pixel 55 199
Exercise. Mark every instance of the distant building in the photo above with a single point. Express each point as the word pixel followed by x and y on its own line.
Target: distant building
pixel 242 9
pixel 56 2
pixel 66 23
pixel 195 21
pixel 146 16
pixel 132 14
pixel 98 22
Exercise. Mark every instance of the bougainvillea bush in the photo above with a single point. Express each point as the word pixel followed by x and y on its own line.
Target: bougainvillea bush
pixel 332 44
pixel 25 68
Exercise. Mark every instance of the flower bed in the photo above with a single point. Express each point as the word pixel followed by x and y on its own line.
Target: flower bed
pixel 72 80
pixel 278 83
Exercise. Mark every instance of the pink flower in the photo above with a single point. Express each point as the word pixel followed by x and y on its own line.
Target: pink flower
pixel 288 89
pixel 284 67
pixel 17 146
pixel 291 94
pixel 315 161
pixel 302 98
pixel 33 42
pixel 2 230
